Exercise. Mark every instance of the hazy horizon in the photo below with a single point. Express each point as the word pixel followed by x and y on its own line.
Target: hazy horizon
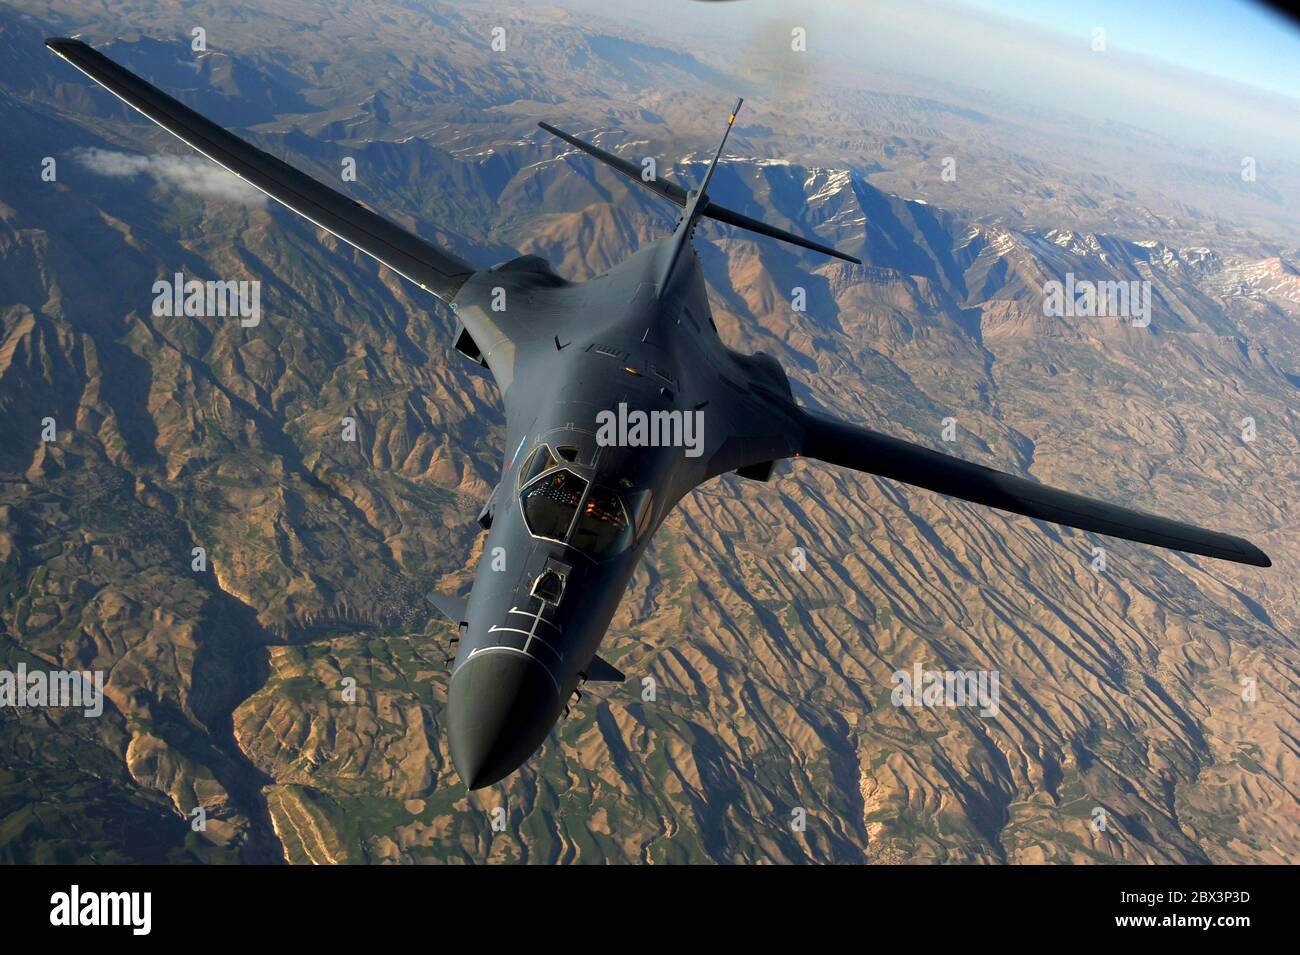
pixel 1046 61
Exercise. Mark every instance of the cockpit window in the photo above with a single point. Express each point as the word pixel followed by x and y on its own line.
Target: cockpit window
pixel 568 452
pixel 540 460
pixel 603 527
pixel 550 503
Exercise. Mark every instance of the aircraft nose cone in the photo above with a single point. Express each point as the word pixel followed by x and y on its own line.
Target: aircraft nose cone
pixel 500 707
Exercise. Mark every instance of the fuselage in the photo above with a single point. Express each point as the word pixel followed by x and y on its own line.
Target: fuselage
pixel 573 511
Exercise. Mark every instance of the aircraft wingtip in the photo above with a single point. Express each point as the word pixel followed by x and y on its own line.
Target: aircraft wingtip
pixel 65 46
pixel 1254 556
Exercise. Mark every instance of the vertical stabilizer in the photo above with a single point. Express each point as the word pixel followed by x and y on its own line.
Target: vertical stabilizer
pixel 696 202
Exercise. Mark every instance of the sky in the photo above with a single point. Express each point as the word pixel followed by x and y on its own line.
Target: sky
pixel 1241 41
pixel 1218 74
pixel 1052 65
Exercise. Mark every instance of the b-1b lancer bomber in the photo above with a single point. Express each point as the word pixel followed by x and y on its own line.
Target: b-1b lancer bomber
pixel 591 374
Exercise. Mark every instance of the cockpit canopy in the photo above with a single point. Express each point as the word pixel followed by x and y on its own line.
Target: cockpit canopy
pixel 551 501
pixel 560 505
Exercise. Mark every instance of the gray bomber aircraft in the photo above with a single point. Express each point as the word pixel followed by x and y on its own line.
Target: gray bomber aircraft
pixel 574 510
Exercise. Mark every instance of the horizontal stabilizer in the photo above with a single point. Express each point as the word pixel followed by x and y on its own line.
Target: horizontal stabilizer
pixel 602 671
pixel 680 196
pixel 453 608
pixel 725 215
pixel 669 190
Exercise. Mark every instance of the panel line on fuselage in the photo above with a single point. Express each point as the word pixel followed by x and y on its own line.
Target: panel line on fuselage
pixel 525 613
pixel 531 634
pixel 505 649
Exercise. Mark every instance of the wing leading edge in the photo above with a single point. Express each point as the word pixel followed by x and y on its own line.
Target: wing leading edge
pixel 851 446
pixel 421 262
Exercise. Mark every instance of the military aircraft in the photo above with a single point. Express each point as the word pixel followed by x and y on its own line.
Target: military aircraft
pixel 620 397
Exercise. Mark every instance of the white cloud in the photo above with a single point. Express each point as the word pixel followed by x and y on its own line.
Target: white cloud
pixel 192 174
